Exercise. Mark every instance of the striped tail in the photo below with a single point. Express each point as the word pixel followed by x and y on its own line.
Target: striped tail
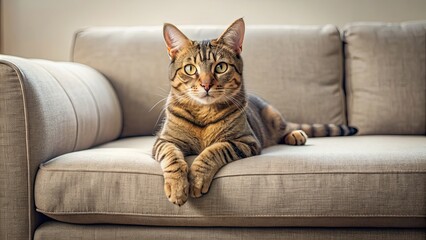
pixel 323 130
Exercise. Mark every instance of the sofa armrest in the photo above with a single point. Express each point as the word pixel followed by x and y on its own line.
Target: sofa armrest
pixel 46 109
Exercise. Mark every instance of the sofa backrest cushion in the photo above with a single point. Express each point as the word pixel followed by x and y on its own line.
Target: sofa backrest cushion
pixel 297 69
pixel 386 77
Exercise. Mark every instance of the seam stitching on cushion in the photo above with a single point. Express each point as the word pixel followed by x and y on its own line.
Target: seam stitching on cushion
pixel 72 104
pixel 93 171
pixel 348 79
pixel 43 168
pixel 342 77
pixel 96 105
pixel 324 173
pixel 235 215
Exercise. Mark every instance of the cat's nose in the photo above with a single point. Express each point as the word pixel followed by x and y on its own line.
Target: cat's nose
pixel 206 81
pixel 207 86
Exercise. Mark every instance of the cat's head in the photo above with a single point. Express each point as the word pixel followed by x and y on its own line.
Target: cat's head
pixel 206 71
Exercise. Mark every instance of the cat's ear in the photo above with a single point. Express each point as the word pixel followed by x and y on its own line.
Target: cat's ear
pixel 174 38
pixel 234 35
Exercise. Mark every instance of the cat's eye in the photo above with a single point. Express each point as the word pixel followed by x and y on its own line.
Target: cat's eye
pixel 190 69
pixel 221 67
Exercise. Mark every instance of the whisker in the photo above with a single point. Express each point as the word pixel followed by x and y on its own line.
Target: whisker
pixel 161 100
pixel 164 90
pixel 234 101
pixel 257 92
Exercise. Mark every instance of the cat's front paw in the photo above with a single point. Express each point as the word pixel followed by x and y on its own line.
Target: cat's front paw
pixel 176 187
pixel 199 181
pixel 296 137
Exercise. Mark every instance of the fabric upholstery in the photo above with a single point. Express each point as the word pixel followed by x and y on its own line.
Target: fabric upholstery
pixel 47 109
pixel 63 231
pixel 14 222
pixel 374 181
pixel 386 77
pixel 291 67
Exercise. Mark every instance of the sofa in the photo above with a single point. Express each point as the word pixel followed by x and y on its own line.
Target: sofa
pixel 76 139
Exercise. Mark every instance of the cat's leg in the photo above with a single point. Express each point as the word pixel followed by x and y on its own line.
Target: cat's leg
pixel 295 137
pixel 281 131
pixel 206 165
pixel 278 130
pixel 175 171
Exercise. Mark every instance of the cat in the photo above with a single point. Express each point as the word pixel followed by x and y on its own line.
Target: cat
pixel 209 114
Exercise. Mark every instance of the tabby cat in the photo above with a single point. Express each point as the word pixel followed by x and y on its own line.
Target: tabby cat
pixel 209 114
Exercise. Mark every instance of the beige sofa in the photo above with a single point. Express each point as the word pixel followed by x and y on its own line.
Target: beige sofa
pixel 76 138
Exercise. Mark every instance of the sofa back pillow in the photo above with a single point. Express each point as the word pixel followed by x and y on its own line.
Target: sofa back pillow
pixel 386 77
pixel 297 69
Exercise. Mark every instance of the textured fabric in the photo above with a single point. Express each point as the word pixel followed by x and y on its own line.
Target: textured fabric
pixel 297 69
pixel 376 181
pixel 386 77
pixel 47 109
pixel 14 220
pixel 55 230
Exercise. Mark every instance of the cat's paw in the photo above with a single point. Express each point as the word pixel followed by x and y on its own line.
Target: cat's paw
pixel 199 181
pixel 296 137
pixel 176 187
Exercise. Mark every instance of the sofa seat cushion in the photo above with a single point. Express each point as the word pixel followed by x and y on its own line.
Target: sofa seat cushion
pixel 362 181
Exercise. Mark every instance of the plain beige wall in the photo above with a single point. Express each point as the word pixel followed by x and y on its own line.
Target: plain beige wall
pixel 45 28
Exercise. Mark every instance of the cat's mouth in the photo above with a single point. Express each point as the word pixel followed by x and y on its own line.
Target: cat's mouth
pixel 206 98
pixel 206 95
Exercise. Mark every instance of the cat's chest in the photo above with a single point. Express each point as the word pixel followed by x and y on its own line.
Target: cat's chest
pixel 199 130
pixel 205 136
pixel 196 137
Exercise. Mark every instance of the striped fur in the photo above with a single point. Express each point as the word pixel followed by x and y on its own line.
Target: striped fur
pixel 209 114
